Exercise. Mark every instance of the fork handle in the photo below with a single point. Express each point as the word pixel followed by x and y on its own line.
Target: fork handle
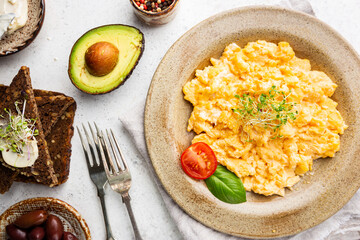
pixel 126 200
pixel 101 195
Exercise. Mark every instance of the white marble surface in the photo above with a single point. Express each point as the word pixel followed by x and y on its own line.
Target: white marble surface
pixel 47 57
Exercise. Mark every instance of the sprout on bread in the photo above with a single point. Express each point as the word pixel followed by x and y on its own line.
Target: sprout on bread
pixel 17 132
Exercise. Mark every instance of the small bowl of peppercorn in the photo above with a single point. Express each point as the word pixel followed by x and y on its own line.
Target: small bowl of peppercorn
pixel 155 12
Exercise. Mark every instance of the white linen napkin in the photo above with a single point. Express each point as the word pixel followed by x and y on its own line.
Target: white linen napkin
pixel 343 225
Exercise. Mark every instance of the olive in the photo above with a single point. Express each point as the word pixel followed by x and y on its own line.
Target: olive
pixel 101 58
pixel 15 233
pixel 37 233
pixel 54 228
pixel 31 219
pixel 69 236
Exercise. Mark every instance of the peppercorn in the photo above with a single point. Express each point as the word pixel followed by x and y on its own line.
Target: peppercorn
pixel 153 5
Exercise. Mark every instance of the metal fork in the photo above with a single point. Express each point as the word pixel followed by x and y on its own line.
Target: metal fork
pixel 96 172
pixel 118 174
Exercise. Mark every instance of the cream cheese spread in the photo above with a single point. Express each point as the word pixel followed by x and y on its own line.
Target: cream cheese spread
pixel 5 21
pixel 26 159
pixel 30 150
pixel 17 7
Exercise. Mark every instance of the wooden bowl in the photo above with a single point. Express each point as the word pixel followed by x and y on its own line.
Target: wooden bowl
pixel 24 36
pixel 72 220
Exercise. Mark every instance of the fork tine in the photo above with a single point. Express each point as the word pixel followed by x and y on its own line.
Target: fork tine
pixel 105 156
pixel 92 133
pixel 108 154
pixel 95 163
pixel 119 149
pixel 100 138
pixel 84 148
pixel 96 141
pixel 114 151
pixel 102 154
pixel 97 129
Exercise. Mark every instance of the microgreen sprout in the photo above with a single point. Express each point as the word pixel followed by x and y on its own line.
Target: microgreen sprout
pixel 270 110
pixel 16 132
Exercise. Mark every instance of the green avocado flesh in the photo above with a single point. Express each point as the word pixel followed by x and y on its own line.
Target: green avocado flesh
pixel 129 42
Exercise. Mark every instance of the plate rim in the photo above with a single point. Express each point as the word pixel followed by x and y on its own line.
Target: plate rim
pixel 151 87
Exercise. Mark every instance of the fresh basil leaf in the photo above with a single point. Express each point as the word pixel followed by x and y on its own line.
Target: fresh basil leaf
pixel 226 186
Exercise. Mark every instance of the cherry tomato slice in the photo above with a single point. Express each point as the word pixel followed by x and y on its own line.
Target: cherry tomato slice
pixel 199 161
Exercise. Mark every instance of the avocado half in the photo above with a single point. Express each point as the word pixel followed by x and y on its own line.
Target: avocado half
pixel 127 39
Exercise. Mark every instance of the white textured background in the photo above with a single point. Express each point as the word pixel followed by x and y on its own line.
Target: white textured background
pixel 47 57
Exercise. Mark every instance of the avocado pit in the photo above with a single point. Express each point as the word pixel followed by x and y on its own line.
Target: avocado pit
pixel 101 58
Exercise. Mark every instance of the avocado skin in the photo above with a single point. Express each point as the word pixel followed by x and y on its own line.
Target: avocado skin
pixel 142 48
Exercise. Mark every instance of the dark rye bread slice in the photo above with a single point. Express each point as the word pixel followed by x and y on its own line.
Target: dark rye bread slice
pixel 37 92
pixel 21 89
pixel 59 144
pixel 7 177
pixel 62 163
pixel 51 108
pixel 57 114
pixel 40 93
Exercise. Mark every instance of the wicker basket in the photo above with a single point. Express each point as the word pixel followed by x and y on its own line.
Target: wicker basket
pixel 72 220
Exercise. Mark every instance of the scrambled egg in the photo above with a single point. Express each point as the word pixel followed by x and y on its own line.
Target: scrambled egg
pixel 266 165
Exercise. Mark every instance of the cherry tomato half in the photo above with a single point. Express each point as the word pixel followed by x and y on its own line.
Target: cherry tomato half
pixel 199 161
